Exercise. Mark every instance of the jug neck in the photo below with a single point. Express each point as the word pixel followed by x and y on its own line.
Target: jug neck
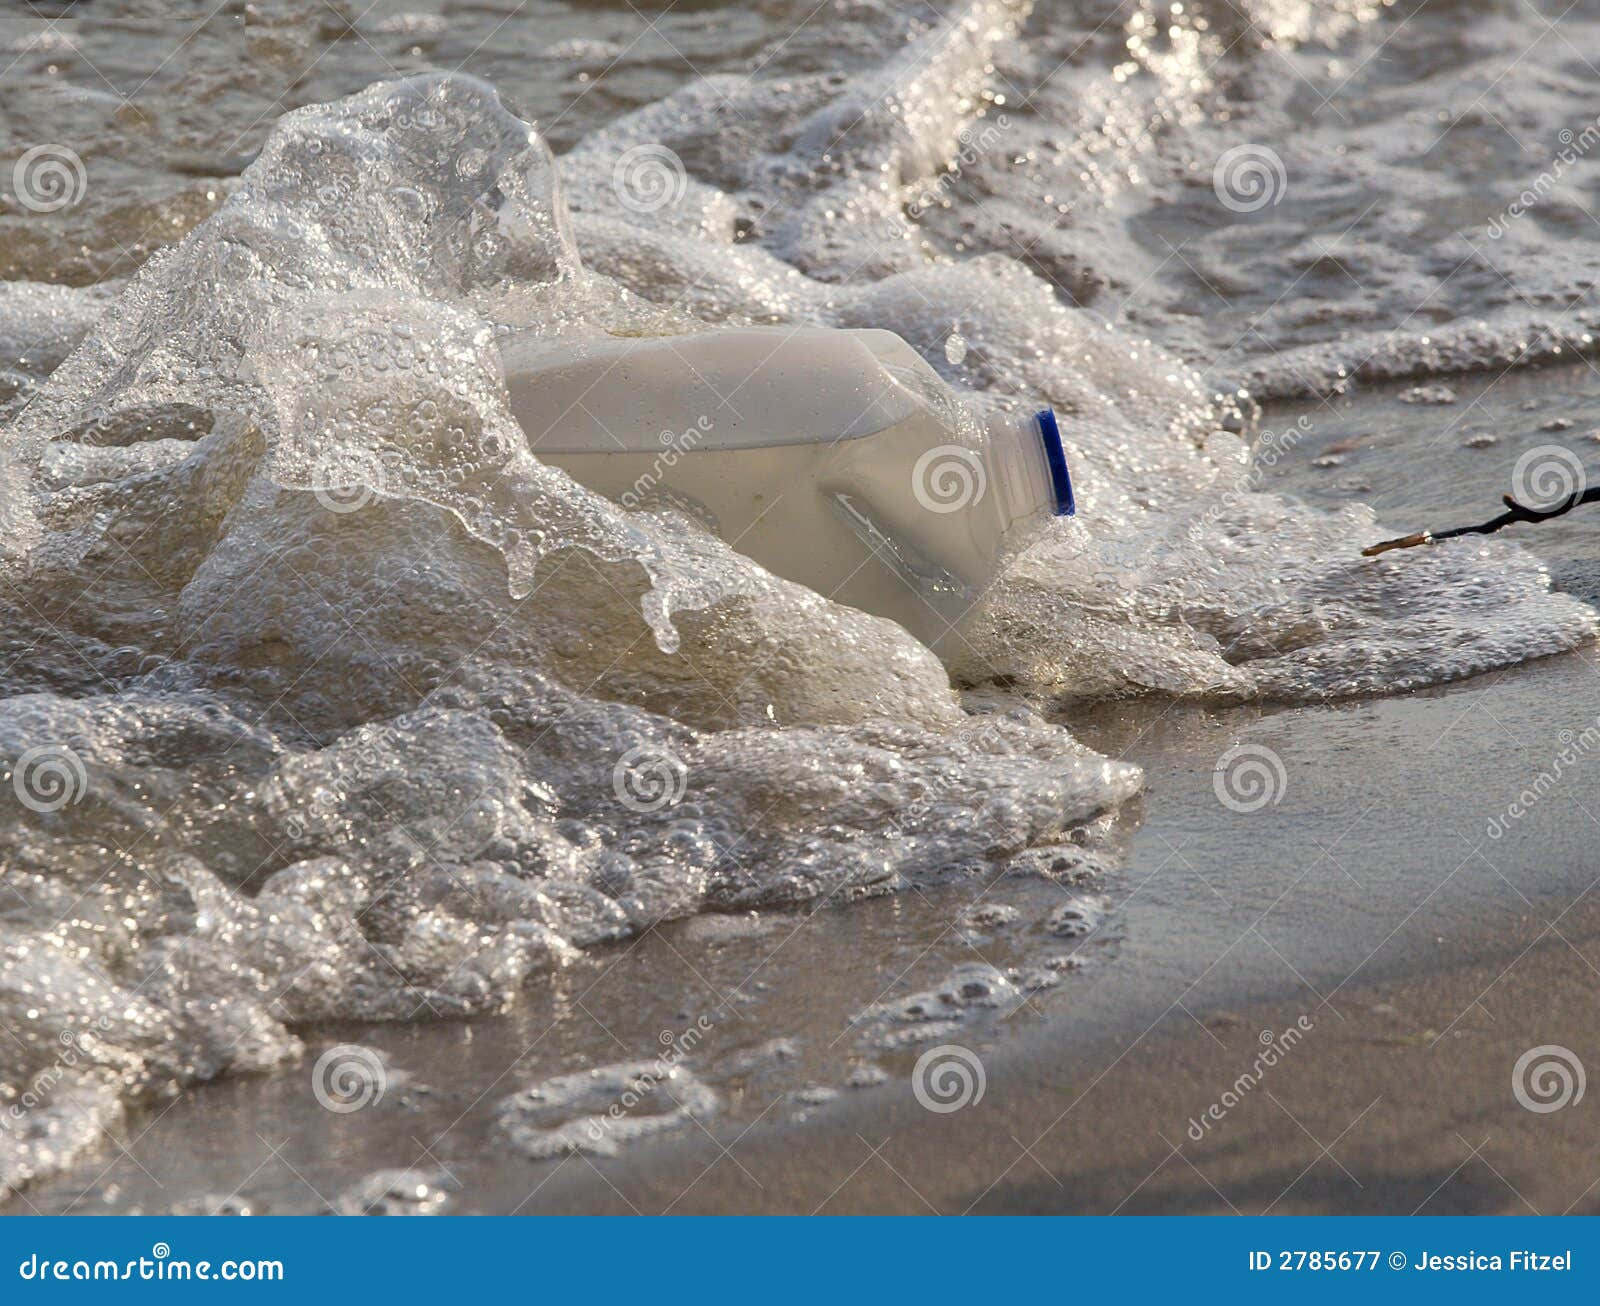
pixel 1027 466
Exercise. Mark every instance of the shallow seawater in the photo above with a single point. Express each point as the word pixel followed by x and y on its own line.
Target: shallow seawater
pixel 326 709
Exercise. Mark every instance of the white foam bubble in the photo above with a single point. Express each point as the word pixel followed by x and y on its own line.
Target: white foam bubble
pixel 603 1110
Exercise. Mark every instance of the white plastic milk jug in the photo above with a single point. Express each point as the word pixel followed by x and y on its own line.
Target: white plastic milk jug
pixel 834 458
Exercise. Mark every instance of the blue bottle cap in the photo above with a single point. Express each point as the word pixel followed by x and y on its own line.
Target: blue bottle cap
pixel 1056 457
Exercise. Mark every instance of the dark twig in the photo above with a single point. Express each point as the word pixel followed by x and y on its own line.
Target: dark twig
pixel 1515 513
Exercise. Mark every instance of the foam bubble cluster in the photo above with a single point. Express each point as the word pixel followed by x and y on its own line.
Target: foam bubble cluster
pixel 339 705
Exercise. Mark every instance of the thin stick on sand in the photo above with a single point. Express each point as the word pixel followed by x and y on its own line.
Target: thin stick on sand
pixel 1515 512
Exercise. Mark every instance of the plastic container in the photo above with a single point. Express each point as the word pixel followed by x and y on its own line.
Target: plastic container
pixel 837 459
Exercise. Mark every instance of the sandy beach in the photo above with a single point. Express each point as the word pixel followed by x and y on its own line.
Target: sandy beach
pixel 1398 1101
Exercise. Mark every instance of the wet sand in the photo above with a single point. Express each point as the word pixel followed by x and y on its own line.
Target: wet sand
pixel 1398 1100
